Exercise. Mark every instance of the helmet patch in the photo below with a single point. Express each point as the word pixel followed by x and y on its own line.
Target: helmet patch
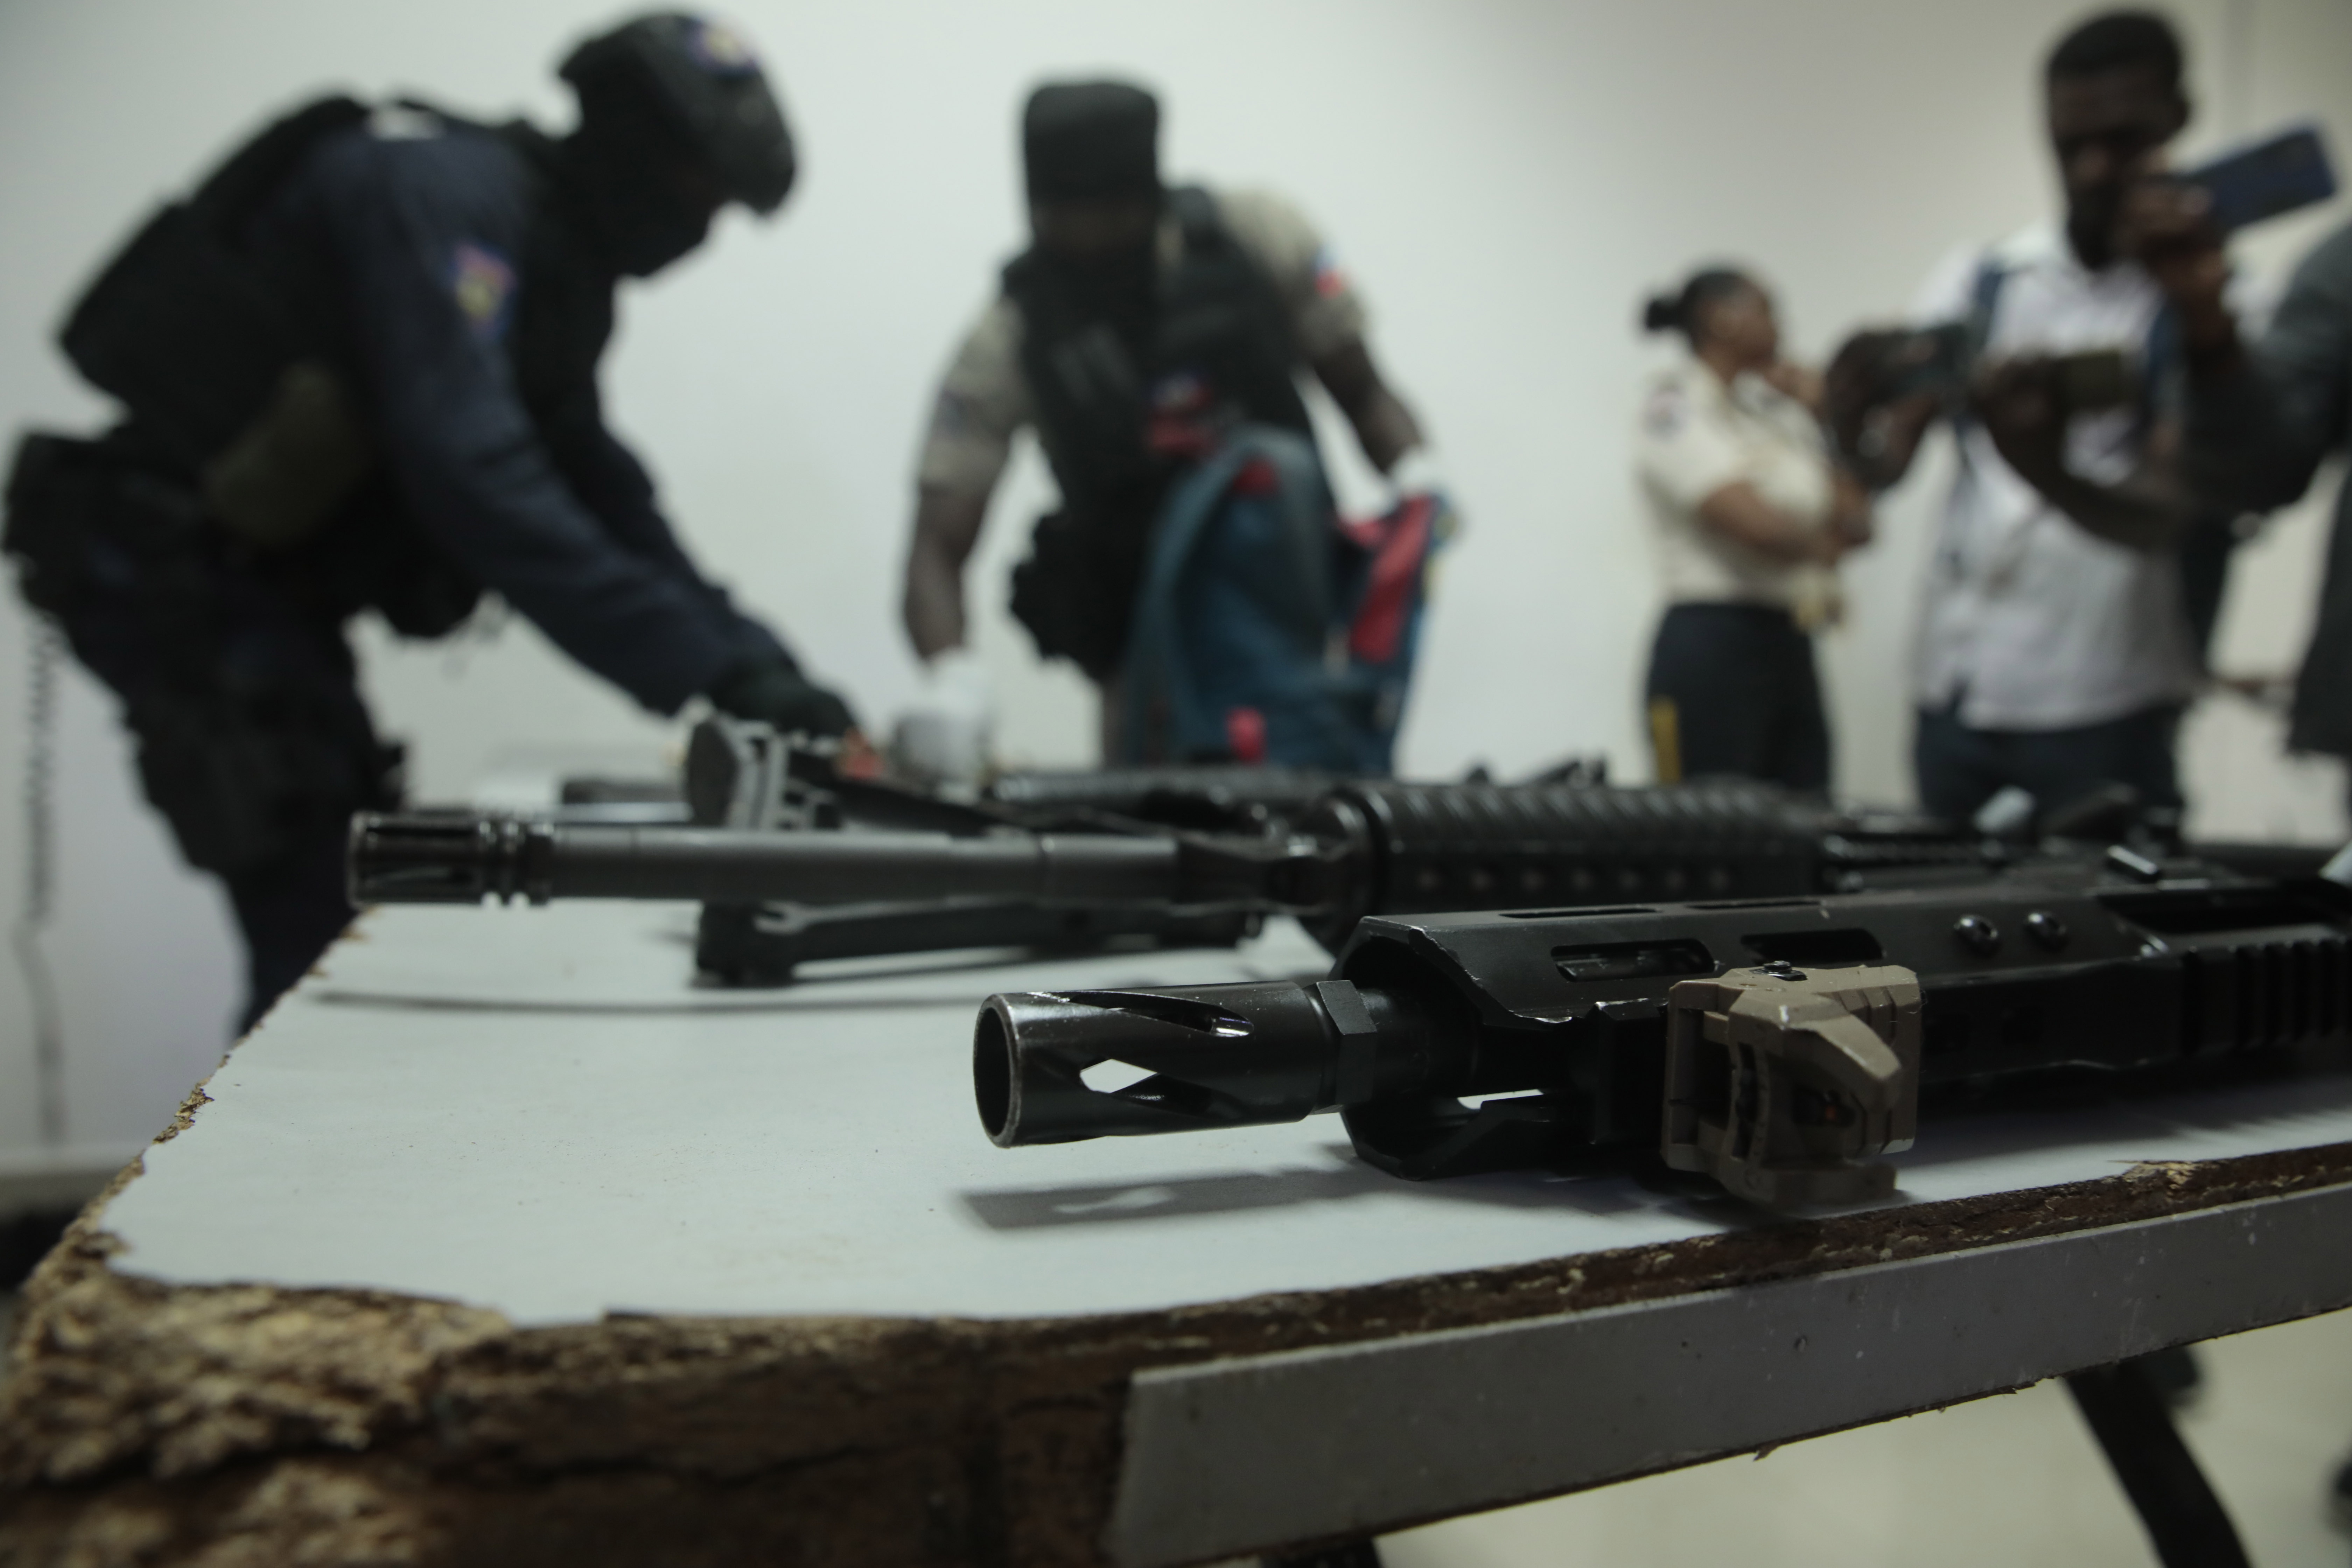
pixel 719 49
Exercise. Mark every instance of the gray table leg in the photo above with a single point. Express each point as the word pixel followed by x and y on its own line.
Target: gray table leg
pixel 2185 1520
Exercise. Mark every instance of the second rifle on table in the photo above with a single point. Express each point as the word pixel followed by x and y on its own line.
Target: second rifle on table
pixel 1226 848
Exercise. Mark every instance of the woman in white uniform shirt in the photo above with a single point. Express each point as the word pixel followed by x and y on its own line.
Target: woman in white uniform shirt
pixel 1750 515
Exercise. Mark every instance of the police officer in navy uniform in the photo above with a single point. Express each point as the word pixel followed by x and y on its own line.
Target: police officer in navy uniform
pixel 359 366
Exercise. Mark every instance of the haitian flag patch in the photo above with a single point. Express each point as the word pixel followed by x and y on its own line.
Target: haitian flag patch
pixel 1329 281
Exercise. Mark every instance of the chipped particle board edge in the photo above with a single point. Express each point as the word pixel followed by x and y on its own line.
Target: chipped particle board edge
pixel 195 1406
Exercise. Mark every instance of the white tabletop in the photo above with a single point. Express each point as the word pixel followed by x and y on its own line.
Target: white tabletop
pixel 539 1111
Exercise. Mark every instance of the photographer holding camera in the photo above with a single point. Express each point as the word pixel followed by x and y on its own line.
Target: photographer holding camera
pixel 1751 518
pixel 2056 648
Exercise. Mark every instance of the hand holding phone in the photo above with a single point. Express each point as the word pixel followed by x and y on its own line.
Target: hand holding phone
pixel 2281 175
pixel 2174 225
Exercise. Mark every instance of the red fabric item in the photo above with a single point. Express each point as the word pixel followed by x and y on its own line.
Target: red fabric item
pixel 1255 478
pixel 1182 440
pixel 1246 734
pixel 1399 543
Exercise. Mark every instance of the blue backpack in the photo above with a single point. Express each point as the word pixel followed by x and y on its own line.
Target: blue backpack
pixel 1266 628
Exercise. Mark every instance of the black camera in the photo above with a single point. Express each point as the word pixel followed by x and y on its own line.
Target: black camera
pixel 1941 362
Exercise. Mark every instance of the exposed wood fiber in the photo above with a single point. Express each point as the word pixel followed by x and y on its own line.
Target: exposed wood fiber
pixel 234 1424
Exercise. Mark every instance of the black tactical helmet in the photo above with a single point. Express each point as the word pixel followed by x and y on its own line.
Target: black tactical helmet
pixel 1090 141
pixel 701 78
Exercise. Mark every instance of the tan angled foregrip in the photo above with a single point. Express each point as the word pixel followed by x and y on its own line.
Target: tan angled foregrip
pixel 1786 1084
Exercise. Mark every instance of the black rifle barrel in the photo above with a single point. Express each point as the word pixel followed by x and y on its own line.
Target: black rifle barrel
pixel 1365 847
pixel 423 859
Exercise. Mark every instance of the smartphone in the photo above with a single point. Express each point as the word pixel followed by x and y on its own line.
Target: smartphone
pixel 2288 171
pixel 1939 360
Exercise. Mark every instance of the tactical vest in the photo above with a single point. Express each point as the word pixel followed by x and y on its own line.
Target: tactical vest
pixel 1219 333
pixel 238 368
pixel 1217 353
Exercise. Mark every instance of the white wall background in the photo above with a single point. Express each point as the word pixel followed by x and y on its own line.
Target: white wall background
pixel 1505 180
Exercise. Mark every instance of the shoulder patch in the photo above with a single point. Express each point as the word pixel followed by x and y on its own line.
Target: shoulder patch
pixel 1664 411
pixel 482 281
pixel 1329 281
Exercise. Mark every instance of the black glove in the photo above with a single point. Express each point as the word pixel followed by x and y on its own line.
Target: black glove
pixel 777 693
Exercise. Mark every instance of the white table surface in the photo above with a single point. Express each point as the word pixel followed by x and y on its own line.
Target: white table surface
pixel 538 1111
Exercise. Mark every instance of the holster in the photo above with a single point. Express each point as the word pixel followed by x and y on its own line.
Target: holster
pixel 82 515
pixel 1076 593
pixel 252 740
pixel 244 787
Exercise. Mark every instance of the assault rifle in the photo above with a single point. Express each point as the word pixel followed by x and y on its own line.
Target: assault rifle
pixel 1780 1046
pixel 1363 848
pixel 1182 855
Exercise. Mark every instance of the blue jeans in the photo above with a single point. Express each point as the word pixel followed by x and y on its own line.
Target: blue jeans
pixel 1960 768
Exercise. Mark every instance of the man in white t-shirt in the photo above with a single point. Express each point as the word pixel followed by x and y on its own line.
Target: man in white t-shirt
pixel 2054 649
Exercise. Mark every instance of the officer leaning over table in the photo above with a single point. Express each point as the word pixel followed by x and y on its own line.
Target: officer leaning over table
pixel 358 369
